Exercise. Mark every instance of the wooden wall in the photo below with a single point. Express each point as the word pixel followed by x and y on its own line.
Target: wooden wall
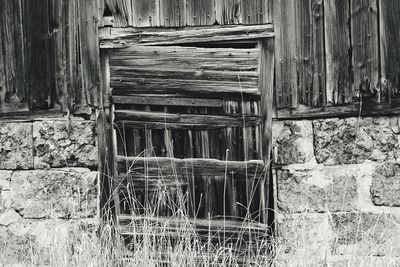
pixel 49 55
pixel 173 13
pixel 337 57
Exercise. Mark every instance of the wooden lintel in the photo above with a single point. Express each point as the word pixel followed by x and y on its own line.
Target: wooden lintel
pixel 192 166
pixel 159 120
pixel 125 37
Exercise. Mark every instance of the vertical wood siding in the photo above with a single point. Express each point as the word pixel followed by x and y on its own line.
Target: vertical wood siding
pixel 171 13
pixel 336 57
pixel 49 55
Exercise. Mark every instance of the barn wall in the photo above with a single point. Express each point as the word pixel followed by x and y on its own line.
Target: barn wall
pixel 48 184
pixel 337 189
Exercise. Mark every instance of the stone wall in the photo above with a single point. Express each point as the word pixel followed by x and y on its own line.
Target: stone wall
pixel 338 190
pixel 48 182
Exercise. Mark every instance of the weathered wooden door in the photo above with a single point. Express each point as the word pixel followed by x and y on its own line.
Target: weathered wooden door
pixel 192 130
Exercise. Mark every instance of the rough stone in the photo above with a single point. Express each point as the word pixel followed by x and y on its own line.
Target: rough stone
pixel 5 177
pixel 8 217
pixel 354 140
pixel 16 146
pixel 39 243
pixel 303 239
pixel 317 190
pixel 292 142
pixel 61 193
pixel 64 144
pixel 385 188
pixel 366 233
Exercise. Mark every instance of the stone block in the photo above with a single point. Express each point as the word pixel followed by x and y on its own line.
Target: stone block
pixel 56 193
pixel 46 242
pixel 319 189
pixel 292 142
pixel 64 144
pixel 304 239
pixel 385 187
pixel 16 146
pixel 5 177
pixel 8 217
pixel 362 233
pixel 354 140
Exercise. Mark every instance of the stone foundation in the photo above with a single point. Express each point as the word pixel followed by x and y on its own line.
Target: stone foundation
pixel 48 184
pixel 338 191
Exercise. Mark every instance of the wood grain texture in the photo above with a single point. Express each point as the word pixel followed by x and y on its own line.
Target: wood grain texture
pixel 166 100
pixel 354 109
pixel 184 121
pixel 389 49
pixel 145 13
pixel 337 47
pixel 13 94
pixel 254 11
pixel 125 37
pixel 285 54
pixel 122 12
pixel 200 12
pixel 310 52
pixel 198 166
pixel 364 39
pixel 228 12
pixel 266 86
pixel 40 90
pixel 90 55
pixel 172 70
pixel 172 13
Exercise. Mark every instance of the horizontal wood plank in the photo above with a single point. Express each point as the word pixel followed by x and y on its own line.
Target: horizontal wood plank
pixel 348 110
pixel 196 166
pixel 161 120
pixel 166 100
pixel 125 37
pixel 203 91
pixel 216 224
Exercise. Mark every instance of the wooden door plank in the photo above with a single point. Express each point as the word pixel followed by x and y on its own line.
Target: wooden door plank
pixel 364 39
pixel 200 166
pixel 266 111
pixel 337 47
pixel 389 21
pixel 166 100
pixel 125 37
pixel 158 120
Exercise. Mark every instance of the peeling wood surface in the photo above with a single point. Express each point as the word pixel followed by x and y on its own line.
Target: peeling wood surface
pixel 125 37
pixel 197 166
pixel 160 120
pixel 389 49
pixel 337 46
pixel 172 13
pixel 166 100
pixel 49 50
pixel 285 54
pixel 223 72
pixel 364 39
